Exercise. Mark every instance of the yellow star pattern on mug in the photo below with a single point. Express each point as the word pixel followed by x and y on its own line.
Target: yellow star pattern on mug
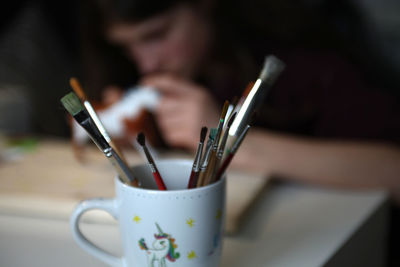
pixel 190 222
pixel 191 255
pixel 136 219
pixel 219 214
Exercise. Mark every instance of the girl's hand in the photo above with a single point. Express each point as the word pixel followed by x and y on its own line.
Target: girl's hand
pixel 184 109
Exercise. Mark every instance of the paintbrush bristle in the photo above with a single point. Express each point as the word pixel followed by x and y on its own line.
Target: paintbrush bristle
pixel 231 119
pixel 72 103
pixel 203 134
pixel 76 86
pixel 224 109
pixel 213 133
pixel 273 66
pixel 141 139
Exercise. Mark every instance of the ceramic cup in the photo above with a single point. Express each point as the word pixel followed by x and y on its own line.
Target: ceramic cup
pixel 178 228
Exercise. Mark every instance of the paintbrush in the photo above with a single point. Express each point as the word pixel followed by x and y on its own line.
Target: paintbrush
pixel 271 70
pixel 74 106
pixel 206 157
pixel 76 86
pixel 194 175
pixel 157 177
pixel 231 153
pixel 220 125
pixel 210 141
pixel 210 171
pixel 221 147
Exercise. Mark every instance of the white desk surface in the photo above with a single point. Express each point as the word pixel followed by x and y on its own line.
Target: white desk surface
pixel 291 225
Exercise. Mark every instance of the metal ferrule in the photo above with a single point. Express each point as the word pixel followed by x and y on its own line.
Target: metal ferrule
pixel 218 135
pixel 108 152
pixel 150 159
pixel 196 162
pixel 206 159
pixel 88 124
pixel 240 139
pixel 152 168
pixel 223 142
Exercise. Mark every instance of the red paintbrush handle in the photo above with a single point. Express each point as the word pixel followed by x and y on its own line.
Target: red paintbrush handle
pixel 193 179
pixel 223 167
pixel 159 181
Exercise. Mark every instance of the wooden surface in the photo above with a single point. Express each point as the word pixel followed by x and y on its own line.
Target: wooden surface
pixel 49 182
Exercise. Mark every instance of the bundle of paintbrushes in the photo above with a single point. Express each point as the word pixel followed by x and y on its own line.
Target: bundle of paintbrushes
pixel 209 168
pixel 222 144
pixel 234 124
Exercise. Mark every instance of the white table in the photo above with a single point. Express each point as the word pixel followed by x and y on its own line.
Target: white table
pixel 291 225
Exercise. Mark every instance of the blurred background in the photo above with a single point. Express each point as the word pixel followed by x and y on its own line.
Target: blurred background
pixel 40 50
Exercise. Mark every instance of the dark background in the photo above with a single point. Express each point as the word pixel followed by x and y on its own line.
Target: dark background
pixel 40 50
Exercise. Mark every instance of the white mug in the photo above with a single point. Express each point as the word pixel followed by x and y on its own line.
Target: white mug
pixel 179 227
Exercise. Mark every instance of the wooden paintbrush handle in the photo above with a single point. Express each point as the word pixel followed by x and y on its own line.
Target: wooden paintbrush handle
pixel 118 151
pixel 210 170
pixel 223 167
pixel 135 182
pixel 193 179
pixel 159 181
pixel 201 178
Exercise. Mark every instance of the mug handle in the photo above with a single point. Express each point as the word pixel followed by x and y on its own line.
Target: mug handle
pixel 108 205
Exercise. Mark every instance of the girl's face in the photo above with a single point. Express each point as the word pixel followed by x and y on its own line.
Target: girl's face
pixel 176 41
